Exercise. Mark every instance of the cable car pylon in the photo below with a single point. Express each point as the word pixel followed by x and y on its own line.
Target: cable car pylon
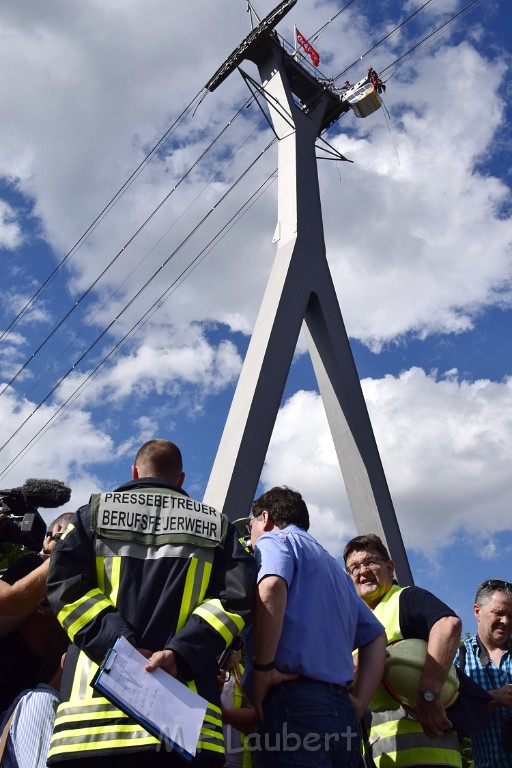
pixel 300 289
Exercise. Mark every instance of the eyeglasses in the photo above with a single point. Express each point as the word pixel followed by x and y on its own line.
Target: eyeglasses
pixel 371 564
pixel 249 525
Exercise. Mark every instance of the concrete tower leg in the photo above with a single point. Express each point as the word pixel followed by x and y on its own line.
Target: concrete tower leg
pixel 300 288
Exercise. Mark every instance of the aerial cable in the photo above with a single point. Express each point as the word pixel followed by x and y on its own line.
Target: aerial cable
pixel 147 315
pixel 112 295
pixel 139 292
pixel 386 37
pixel 253 14
pixel 192 266
pixel 317 34
pixel 464 11
pixel 130 240
pixel 199 97
pixel 387 117
pixel 143 320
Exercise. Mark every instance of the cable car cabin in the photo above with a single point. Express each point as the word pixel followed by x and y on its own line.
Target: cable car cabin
pixel 363 98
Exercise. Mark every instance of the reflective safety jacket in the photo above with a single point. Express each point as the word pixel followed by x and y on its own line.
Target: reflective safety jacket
pixel 395 737
pixel 147 562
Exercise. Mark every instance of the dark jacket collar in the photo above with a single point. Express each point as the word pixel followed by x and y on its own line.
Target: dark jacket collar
pixel 151 482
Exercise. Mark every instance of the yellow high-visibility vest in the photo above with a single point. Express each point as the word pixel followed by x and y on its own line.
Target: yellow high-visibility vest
pixel 395 737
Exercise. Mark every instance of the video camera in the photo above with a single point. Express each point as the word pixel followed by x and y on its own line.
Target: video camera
pixel 23 524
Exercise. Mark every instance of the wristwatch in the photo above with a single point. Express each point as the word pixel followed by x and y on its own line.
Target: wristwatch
pixel 429 695
pixel 263 667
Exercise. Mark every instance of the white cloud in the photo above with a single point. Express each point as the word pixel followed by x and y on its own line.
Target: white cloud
pixel 158 367
pixel 444 444
pixel 426 244
pixel 65 453
pixel 98 85
pixel 10 229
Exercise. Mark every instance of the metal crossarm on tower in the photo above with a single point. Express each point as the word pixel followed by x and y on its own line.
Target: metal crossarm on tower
pixel 300 288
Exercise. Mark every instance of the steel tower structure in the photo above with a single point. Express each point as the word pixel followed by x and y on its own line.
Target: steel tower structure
pixel 300 289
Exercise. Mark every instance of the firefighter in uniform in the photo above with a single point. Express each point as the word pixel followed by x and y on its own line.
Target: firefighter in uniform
pixel 396 735
pixel 168 573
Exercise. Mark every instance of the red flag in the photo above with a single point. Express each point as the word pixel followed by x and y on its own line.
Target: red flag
pixel 301 40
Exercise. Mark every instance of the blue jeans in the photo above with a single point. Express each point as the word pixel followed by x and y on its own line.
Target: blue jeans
pixel 307 723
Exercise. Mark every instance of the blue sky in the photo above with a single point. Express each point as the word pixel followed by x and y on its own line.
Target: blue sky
pixel 418 233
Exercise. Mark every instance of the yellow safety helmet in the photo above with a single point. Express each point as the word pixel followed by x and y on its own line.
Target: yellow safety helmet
pixel 405 660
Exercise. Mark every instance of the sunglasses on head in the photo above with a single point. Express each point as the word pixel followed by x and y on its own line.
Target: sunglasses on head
pixel 497 584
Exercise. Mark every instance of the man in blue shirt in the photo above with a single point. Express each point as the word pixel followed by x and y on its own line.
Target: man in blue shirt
pixel 487 659
pixel 308 619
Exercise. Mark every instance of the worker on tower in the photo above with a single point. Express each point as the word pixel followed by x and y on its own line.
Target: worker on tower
pixel 375 80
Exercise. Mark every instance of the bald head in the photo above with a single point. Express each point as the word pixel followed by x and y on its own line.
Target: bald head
pixel 159 458
pixel 62 520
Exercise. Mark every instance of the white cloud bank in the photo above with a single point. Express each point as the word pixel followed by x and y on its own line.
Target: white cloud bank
pixel 85 95
pixel 444 444
pixel 10 230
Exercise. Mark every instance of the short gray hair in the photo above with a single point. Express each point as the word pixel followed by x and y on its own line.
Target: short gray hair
pixel 487 589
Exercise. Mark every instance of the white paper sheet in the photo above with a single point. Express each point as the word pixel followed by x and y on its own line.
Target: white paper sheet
pixel 159 702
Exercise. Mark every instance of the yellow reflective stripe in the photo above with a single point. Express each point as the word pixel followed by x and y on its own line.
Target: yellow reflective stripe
pixel 84 668
pixel 226 624
pixel 213 712
pixel 404 742
pixel 94 730
pixel 214 720
pixel 75 616
pixel 106 737
pixel 397 726
pixel 388 613
pixel 100 574
pixel 210 746
pixel 404 758
pixel 186 600
pixel 66 531
pixel 97 715
pixel 196 583
pixel 108 572
pixel 207 571
pixel 115 578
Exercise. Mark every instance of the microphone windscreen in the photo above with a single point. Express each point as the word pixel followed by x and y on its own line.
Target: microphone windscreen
pixel 45 493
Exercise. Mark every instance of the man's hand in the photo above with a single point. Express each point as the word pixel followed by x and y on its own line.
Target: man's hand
pixel 263 682
pixel 443 641
pixel 432 717
pixel 166 660
pixel 359 709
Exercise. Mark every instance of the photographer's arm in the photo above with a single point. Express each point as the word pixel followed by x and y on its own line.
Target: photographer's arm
pixel 22 597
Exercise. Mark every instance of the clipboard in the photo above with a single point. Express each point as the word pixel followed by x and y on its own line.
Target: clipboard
pixel 162 705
